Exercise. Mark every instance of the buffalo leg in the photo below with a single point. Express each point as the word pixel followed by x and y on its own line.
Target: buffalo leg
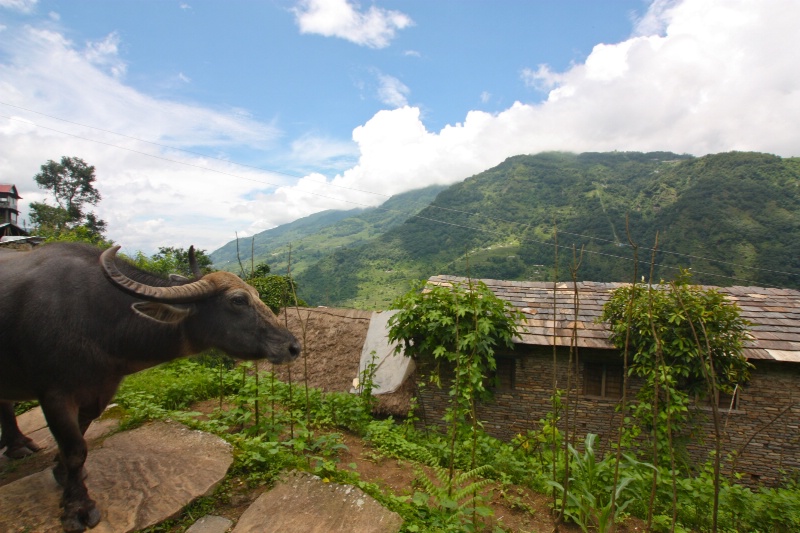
pixel 17 445
pixel 86 415
pixel 80 511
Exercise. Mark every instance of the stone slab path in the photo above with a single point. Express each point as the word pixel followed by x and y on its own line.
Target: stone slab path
pixel 33 425
pixel 142 477
pixel 303 503
pixel 138 478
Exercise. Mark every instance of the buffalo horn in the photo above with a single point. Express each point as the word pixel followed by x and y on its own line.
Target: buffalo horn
pixel 178 294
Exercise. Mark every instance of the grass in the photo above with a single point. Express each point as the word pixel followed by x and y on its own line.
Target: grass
pixel 289 433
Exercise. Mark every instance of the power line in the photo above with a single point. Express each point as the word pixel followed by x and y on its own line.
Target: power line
pixel 598 253
pixel 616 242
pixel 169 147
pixel 184 163
pixel 412 215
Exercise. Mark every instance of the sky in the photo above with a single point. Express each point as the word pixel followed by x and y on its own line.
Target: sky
pixel 209 120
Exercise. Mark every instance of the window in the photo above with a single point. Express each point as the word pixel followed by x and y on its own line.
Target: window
pixel 727 402
pixel 506 373
pixel 603 380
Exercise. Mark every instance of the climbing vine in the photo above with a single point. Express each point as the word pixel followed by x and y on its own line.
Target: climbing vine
pixel 458 326
pixel 687 343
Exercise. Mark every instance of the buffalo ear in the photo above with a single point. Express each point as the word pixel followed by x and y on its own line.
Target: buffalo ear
pixel 161 312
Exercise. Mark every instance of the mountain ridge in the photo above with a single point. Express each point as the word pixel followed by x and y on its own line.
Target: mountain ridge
pixel 296 244
pixel 733 218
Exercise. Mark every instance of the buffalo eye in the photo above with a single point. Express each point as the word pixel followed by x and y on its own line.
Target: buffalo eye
pixel 239 299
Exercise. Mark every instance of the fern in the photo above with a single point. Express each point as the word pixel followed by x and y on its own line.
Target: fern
pixel 456 498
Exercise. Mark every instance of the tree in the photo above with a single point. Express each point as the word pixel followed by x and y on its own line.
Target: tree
pixel 698 333
pixel 447 323
pixel 686 341
pixel 261 270
pixel 72 184
pixel 461 325
pixel 171 260
pixel 276 291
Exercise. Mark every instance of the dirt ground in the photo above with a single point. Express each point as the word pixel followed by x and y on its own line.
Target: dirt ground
pixel 398 478
pixel 332 341
pixel 520 510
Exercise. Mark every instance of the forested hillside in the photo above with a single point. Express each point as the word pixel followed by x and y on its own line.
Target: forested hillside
pixel 733 218
pixel 309 239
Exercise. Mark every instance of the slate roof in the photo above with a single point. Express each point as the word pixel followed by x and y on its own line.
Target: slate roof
pixel 774 313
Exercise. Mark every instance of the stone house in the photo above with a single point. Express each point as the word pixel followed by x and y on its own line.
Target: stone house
pixel 761 419
pixel 9 212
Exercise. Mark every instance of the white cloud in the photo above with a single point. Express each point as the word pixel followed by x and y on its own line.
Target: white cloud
pixel 541 79
pixel 104 54
pixel 23 6
pixel 392 91
pixel 695 76
pixel 323 152
pixel 715 76
pixel 655 20
pixel 374 27
pixel 169 189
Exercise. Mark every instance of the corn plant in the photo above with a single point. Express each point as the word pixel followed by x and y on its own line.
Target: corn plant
pixel 589 501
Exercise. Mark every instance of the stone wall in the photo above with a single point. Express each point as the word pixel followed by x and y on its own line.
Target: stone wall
pixel 766 421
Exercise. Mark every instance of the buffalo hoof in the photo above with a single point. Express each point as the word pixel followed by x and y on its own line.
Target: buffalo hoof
pixel 80 516
pixel 21 448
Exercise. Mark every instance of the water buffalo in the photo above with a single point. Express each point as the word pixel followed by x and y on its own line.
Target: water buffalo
pixel 74 322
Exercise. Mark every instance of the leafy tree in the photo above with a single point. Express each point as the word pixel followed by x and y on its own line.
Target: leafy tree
pixel 460 325
pixel 47 216
pixel 171 260
pixel 276 291
pixel 72 184
pixel 261 270
pixel 697 331
pixel 443 323
pixel 76 234
pixel 686 341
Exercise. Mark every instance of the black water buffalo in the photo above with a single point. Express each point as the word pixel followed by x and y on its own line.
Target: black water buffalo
pixel 74 322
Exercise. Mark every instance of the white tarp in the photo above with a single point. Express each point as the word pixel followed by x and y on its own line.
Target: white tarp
pixel 391 369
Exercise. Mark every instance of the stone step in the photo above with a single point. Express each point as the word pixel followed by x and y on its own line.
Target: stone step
pixel 33 425
pixel 138 478
pixel 143 477
pixel 211 524
pixel 304 503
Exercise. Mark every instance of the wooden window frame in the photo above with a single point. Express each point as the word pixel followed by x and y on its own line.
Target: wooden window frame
pixel 508 366
pixel 604 369
pixel 724 401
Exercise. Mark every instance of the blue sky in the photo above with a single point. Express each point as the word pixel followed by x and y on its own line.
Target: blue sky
pixel 209 119
pixel 448 57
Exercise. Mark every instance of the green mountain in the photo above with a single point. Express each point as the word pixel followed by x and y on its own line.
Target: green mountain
pixel 312 238
pixel 733 218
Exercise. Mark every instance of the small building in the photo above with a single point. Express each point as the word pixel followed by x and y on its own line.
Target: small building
pixel 761 421
pixel 9 213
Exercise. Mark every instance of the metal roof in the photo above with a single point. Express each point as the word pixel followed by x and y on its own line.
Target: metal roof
pixel 6 188
pixel 773 313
